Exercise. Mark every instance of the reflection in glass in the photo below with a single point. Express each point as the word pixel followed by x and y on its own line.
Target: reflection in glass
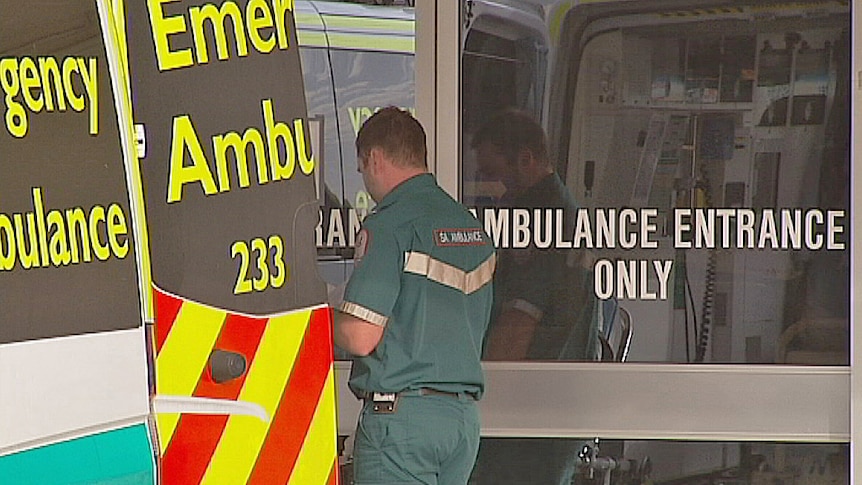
pixel 504 64
pixel 559 461
pixel 536 313
pixel 703 70
pixel 775 65
pixel 705 159
pixel 737 69
pixel 355 59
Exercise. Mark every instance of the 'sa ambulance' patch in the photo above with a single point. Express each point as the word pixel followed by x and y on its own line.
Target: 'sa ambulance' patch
pixel 459 237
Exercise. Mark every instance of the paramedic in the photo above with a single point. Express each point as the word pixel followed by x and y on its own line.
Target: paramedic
pixel 414 313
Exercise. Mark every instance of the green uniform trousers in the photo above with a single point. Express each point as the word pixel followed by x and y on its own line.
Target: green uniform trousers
pixel 430 440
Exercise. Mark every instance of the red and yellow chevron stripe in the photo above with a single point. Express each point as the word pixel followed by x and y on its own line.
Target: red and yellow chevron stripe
pixel 289 374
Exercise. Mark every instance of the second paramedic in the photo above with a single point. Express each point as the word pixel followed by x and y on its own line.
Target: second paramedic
pixel 544 306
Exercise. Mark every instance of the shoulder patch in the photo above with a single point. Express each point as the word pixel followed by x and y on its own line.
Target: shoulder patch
pixel 459 237
pixel 363 240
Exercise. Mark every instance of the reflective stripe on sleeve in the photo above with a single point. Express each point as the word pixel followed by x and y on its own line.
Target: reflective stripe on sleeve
pixel 524 306
pixel 448 275
pixel 360 311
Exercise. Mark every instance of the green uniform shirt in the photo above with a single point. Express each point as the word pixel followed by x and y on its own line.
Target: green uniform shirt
pixel 547 284
pixel 423 270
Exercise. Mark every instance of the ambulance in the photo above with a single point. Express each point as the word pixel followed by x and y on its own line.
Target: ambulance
pixel 122 361
pixel 74 385
pixel 97 379
pixel 667 108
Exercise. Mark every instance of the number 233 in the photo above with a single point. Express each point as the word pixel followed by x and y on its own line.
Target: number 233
pixel 268 272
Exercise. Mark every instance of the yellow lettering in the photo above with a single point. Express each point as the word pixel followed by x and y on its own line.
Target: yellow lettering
pixel 69 67
pixel 183 135
pixel 38 85
pixel 97 215
pixel 355 119
pixel 7 232
pixel 259 17
pixel 76 218
pixel 50 72
pixel 232 140
pixel 57 236
pixel 275 159
pixel 39 209
pixel 216 17
pixel 306 163
pixel 29 259
pixel 264 25
pixel 91 86
pixel 59 250
pixel 274 131
pixel 16 116
pixel 117 227
pixel 359 114
pixel 163 27
pixel 281 8
pixel 30 81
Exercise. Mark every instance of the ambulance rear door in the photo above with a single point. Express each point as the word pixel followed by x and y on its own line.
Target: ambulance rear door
pixel 74 400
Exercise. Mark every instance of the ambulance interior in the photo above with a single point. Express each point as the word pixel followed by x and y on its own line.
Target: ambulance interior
pixel 709 108
pixel 737 108
pixel 665 106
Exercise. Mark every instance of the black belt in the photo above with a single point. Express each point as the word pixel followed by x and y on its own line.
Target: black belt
pixel 427 391
pixel 424 391
pixel 385 402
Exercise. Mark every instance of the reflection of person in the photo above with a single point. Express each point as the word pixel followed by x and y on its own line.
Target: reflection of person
pixel 414 311
pixel 541 308
pixel 542 304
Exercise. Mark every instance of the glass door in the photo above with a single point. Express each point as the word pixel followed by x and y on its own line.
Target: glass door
pixel 699 158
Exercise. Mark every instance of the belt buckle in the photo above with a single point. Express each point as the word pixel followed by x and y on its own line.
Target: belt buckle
pixel 384 402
